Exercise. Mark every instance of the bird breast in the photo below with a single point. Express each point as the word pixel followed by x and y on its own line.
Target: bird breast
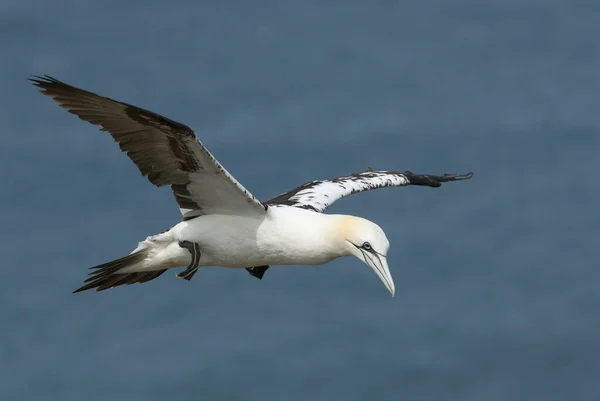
pixel 283 236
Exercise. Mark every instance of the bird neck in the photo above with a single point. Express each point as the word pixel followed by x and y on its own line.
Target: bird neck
pixel 303 233
pixel 338 230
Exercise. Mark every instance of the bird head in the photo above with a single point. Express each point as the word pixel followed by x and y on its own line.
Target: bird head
pixel 367 241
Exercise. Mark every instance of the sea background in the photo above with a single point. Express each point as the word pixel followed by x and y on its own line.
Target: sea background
pixel 497 278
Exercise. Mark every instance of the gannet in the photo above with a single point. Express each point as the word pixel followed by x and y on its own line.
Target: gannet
pixel 223 224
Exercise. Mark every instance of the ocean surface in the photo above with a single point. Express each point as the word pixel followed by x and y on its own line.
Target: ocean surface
pixel 497 278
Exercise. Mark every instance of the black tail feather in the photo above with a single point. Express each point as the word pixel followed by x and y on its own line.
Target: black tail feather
pixel 145 277
pixel 105 276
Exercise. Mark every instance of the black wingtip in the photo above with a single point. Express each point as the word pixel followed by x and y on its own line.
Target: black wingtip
pixel 457 177
pixel 434 180
pixel 45 82
pixel 41 79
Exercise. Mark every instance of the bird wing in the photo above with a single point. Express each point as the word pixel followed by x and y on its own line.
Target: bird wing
pixel 319 195
pixel 167 152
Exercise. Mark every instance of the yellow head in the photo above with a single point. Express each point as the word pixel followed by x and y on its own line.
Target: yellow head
pixel 367 241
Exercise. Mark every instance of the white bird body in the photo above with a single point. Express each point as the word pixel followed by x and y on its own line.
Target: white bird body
pixel 284 235
pixel 223 223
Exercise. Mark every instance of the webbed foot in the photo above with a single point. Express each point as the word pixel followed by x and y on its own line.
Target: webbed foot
pixel 194 249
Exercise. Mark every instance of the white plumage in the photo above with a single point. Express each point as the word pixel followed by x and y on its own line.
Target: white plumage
pixel 223 223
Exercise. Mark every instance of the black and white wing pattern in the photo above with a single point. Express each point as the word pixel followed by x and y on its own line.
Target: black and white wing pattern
pixel 319 195
pixel 167 152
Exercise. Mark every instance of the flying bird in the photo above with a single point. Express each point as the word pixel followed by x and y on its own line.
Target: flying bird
pixel 223 224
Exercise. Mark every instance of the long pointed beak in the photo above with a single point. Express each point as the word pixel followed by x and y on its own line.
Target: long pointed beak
pixel 379 265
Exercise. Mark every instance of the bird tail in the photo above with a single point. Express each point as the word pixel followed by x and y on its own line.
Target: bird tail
pixel 107 275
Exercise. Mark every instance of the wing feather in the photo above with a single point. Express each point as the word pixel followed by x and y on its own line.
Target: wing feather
pixel 319 195
pixel 165 151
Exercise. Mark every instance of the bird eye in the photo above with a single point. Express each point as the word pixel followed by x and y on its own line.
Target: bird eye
pixel 366 246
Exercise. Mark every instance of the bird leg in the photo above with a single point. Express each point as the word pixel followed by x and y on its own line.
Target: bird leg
pixel 194 249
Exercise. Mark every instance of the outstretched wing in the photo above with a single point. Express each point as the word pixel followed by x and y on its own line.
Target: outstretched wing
pixel 167 152
pixel 318 195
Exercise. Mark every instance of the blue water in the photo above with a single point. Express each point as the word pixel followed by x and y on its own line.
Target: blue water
pixel 497 278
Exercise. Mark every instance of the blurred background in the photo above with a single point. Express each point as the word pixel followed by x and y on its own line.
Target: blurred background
pixel 497 277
